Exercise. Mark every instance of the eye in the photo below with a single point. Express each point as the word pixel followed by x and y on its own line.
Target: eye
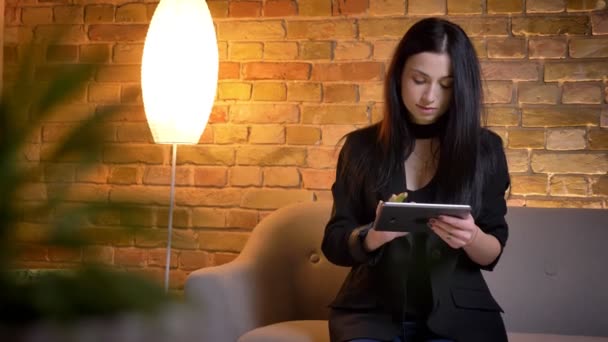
pixel 446 86
pixel 418 80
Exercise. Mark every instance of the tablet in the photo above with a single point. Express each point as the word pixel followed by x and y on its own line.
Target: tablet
pixel 413 217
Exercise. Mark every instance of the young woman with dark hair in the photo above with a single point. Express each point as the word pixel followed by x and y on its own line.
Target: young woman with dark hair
pixel 430 144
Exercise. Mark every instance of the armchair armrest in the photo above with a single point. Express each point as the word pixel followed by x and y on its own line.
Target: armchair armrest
pixel 239 296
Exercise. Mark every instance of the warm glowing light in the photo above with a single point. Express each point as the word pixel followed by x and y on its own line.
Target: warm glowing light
pixel 179 71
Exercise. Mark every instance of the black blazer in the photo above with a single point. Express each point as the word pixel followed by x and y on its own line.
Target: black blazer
pixel 463 308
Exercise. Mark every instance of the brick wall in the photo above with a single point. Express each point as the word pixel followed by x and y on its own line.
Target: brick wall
pixel 294 77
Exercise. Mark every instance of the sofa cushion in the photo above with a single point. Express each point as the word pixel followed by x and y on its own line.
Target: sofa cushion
pixel 290 331
pixel 524 337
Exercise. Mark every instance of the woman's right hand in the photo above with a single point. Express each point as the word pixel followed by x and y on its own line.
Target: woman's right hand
pixel 376 238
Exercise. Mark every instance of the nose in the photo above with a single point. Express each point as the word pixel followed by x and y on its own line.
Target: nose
pixel 428 96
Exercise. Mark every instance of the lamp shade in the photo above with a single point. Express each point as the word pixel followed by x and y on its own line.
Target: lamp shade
pixel 179 71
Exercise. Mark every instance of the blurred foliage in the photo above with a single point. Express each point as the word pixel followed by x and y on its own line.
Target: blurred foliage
pixel 83 290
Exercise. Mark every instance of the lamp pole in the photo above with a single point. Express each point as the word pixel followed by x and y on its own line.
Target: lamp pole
pixel 170 223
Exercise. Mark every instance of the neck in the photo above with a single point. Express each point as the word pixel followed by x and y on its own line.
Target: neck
pixel 428 131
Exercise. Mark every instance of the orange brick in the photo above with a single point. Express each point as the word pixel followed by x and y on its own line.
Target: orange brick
pixel 315 8
pixel 559 116
pixel 599 23
pixel 355 71
pixel 59 173
pixel 280 8
pixel 506 48
pixel 304 91
pixel 315 50
pixel 104 93
pixel 192 260
pixel 210 176
pixel 92 174
pixel 62 53
pixel 568 185
pixel 582 71
pixel 239 218
pixel 250 30
pixel 321 30
pixel 158 257
pixel 269 91
pixel 94 53
pixel 573 25
pixel 128 53
pixel 229 70
pixel 302 135
pixel 384 7
pixel 430 7
pixel 118 33
pixel 134 132
pixel 161 175
pixel 384 27
pixel 529 184
pixel 577 163
pixel 527 138
pixel 59 34
pixel 280 50
pixel 267 134
pixel 280 71
pixel 243 9
pixel 540 6
pixel 548 47
pixel 98 14
pixel 584 5
pixel 384 49
pixel 130 257
pixel 36 15
pixel 181 217
pixel 504 6
pixel 264 113
pixel 352 51
pixel 271 156
pixel 502 116
pixel 118 73
pixel 132 13
pixel 518 160
pixel 322 157
pixel 464 7
pixel 208 218
pixel 575 92
pixel 149 154
pixel 538 93
pixel 234 91
pixel 274 198
pixel 498 92
pixel 245 176
pixel 598 139
pixel 599 186
pixel 58 254
pixel 218 114
pixel 317 179
pixel 222 241
pixel 334 114
pixel 223 258
pixel 218 9
pixel 205 155
pixel 337 93
pixel 333 134
pixel 281 177
pixel 522 71
pixel 245 51
pixel 230 134
pixel 589 47
pixel 371 92
pixel 123 175
pixel 98 255
pixel 349 7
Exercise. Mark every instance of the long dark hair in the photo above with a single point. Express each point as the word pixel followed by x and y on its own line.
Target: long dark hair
pixel 456 176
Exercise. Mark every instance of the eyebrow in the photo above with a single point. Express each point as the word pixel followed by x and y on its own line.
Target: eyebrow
pixel 427 75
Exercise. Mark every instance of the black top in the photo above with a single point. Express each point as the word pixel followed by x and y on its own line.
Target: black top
pixel 437 280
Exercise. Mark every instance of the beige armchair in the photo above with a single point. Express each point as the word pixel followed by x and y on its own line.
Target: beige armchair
pixel 277 289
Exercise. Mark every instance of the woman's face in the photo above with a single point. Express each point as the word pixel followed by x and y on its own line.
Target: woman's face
pixel 426 86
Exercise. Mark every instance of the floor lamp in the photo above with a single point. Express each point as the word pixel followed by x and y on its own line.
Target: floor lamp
pixel 179 79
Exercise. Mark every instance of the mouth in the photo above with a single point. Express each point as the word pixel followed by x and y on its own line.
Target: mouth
pixel 425 108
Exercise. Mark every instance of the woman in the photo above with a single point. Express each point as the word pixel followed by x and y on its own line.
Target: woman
pixel 421 286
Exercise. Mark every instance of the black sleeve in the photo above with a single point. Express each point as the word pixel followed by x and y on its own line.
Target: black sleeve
pixel 344 233
pixel 491 219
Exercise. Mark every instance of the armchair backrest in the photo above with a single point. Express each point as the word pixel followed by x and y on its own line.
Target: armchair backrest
pixel 287 247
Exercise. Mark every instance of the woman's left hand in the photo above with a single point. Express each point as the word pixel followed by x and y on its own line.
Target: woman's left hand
pixel 456 232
